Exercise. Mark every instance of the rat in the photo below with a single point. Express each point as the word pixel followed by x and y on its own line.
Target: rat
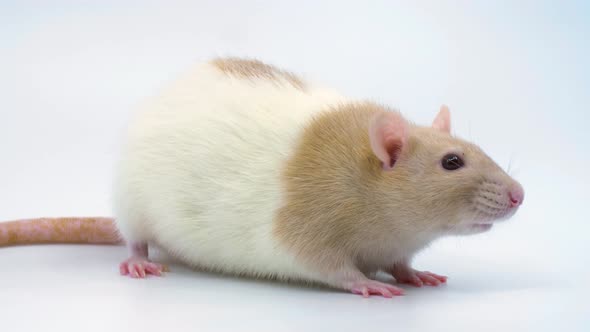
pixel 243 168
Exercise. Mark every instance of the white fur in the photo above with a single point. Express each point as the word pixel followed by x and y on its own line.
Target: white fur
pixel 200 171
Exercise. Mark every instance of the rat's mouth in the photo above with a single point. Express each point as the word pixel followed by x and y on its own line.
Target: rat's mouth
pixel 482 226
pixel 474 228
pixel 491 204
pixel 483 222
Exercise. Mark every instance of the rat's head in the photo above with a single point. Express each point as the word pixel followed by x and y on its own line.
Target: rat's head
pixel 443 182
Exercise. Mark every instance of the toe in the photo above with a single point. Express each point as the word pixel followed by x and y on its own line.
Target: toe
pixel 416 281
pixel 138 271
pixel 365 292
pixel 134 271
pixel 123 269
pixel 429 280
pixel 413 280
pixel 396 290
pixel 373 287
pixel 438 277
pixel 154 269
pixel 384 292
pixel 141 270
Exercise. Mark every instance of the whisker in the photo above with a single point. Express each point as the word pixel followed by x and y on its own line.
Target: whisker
pixel 489 209
pixel 510 163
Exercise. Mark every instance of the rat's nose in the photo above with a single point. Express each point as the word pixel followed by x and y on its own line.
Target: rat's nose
pixel 516 196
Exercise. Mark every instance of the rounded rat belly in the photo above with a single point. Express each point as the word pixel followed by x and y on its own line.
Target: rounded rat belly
pixel 200 174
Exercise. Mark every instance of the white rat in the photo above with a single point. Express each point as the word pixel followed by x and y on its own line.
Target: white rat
pixel 242 168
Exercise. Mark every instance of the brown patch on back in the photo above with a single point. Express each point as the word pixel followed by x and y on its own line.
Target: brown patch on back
pixel 249 68
pixel 329 184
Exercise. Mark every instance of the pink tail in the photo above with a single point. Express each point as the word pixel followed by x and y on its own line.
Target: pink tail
pixel 59 230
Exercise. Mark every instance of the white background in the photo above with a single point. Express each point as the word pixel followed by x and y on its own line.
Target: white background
pixel 515 74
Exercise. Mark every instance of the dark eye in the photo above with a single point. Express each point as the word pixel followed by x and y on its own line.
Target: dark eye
pixel 452 162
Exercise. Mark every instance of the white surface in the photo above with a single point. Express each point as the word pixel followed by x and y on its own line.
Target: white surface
pixel 515 75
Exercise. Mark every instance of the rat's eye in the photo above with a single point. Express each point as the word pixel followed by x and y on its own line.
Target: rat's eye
pixel 452 162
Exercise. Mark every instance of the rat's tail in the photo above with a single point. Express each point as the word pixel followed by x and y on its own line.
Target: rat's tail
pixel 59 230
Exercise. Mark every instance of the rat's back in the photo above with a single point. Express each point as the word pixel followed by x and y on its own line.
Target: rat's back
pixel 200 172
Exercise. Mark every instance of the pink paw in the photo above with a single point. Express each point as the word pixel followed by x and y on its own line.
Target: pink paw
pixel 420 278
pixel 373 287
pixel 140 267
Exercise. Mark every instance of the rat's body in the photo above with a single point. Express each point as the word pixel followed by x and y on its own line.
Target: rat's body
pixel 242 168
pixel 201 173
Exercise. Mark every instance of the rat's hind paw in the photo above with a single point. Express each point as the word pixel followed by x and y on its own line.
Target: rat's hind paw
pixel 373 287
pixel 140 267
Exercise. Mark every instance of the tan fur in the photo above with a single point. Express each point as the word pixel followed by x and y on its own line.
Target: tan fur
pixel 249 68
pixel 341 208
pixel 328 189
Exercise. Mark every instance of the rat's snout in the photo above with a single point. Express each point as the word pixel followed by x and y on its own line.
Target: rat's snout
pixel 516 195
pixel 497 199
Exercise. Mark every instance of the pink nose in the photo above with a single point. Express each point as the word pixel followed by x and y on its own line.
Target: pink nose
pixel 516 196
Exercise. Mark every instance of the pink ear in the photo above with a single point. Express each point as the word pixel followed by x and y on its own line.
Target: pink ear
pixel 442 121
pixel 388 133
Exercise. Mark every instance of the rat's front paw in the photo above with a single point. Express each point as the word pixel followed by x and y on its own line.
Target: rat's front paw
pixel 372 287
pixel 417 278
